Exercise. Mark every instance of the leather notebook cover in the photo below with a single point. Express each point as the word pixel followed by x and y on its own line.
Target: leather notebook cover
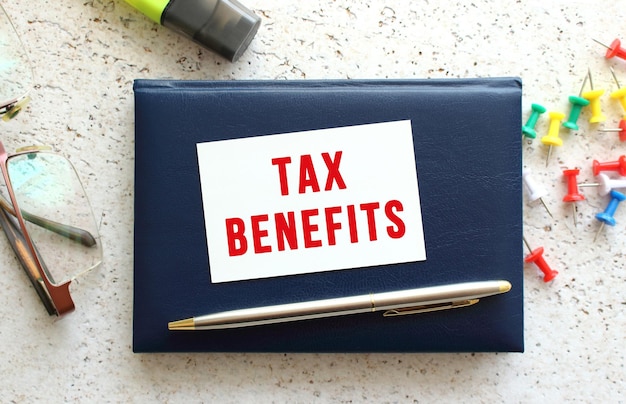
pixel 257 193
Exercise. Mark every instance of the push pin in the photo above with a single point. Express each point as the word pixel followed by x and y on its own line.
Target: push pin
pixel 572 190
pixel 621 130
pixel 614 50
pixel 620 93
pixel 619 165
pixel 593 96
pixel 606 217
pixel 534 190
pixel 536 257
pixel 552 138
pixel 529 129
pixel 578 103
pixel 605 184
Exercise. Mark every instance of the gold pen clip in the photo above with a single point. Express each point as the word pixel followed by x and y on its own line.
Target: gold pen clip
pixel 430 307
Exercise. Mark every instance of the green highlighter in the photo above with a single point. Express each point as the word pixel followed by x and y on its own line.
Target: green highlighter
pixel 223 26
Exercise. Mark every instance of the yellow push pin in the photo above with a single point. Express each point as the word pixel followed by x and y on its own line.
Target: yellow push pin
pixel 552 138
pixel 620 93
pixel 593 96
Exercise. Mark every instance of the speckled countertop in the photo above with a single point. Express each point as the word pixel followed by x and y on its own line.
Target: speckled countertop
pixel 86 55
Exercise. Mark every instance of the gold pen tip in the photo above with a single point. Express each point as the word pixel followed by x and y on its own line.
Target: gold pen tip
pixel 505 287
pixel 186 324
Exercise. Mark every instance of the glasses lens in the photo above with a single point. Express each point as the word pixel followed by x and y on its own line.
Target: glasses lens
pixel 57 213
pixel 16 76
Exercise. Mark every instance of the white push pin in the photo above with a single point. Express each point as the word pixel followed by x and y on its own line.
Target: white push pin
pixel 535 191
pixel 606 184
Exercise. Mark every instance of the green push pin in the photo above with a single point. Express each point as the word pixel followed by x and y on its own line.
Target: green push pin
pixel 578 103
pixel 529 129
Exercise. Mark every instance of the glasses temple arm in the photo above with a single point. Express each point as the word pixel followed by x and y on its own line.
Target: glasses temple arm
pixel 20 246
pixel 71 232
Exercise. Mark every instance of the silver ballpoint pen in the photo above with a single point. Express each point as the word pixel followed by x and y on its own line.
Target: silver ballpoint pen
pixel 395 303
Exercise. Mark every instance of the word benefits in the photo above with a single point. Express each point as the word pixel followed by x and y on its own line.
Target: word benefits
pixel 316 226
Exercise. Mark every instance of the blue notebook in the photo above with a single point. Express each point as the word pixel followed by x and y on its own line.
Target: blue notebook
pixel 257 193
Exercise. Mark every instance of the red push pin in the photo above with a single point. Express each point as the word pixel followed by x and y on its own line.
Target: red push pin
pixel 614 50
pixel 573 195
pixel 621 130
pixel 536 257
pixel 619 165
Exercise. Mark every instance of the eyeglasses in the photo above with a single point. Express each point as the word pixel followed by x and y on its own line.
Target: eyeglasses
pixel 44 210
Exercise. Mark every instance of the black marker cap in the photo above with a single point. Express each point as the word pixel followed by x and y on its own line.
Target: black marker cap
pixel 224 26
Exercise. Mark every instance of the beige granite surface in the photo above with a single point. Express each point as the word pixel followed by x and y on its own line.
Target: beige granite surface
pixel 86 54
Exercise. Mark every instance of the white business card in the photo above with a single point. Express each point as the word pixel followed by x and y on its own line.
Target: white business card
pixel 311 201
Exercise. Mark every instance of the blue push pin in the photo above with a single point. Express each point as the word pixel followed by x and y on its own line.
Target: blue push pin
pixel 606 217
pixel 529 129
pixel 578 103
